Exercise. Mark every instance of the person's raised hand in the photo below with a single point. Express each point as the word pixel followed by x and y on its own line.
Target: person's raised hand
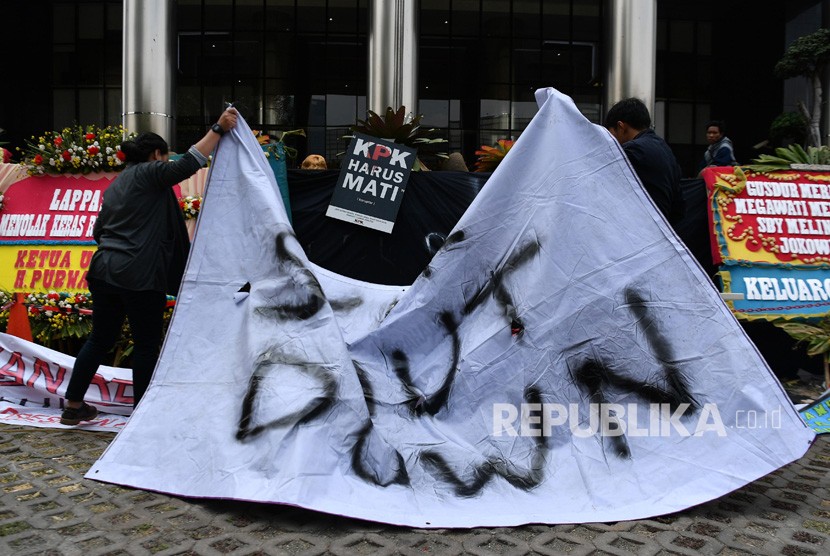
pixel 228 118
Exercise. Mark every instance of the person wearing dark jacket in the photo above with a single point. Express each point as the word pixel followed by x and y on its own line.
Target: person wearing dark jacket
pixel 650 156
pixel 720 151
pixel 142 249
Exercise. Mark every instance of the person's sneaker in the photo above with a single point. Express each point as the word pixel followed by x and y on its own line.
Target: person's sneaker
pixel 74 415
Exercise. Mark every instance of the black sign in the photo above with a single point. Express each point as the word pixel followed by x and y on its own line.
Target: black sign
pixel 372 181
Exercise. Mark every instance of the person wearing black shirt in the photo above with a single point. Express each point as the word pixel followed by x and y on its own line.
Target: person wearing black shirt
pixel 650 156
pixel 142 249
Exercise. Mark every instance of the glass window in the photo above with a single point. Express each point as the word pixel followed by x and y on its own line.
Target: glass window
pixel 556 19
pixel 527 22
pixel 90 21
pixel 115 19
pixel 704 37
pixel 527 60
pixel 342 16
pixel 247 55
pixel 464 18
pixel 216 61
pixel 494 114
pixel 311 16
pixel 63 23
pixel 279 15
pixel 114 110
pixel 91 107
pixel 680 120
pixel 435 17
pixel 249 15
pixel 586 20
pixel 316 140
pixel 278 104
pixel 523 112
pixel 317 111
pixel 89 65
pixel 189 104
pixel 112 64
pixel 495 18
pixel 341 110
pixel 188 15
pixel 247 96
pixel 682 36
pixel 662 35
pixel 63 107
pixel 435 113
pixel 702 116
pixel 218 14
pixel 216 97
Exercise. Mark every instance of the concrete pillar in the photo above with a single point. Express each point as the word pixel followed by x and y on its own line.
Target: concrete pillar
pixel 393 55
pixel 632 51
pixel 149 76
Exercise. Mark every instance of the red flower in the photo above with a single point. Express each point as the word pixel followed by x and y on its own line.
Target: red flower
pixel 181 204
pixel 89 136
pixel 195 204
pixel 93 150
pixel 38 159
pixel 66 156
pixel 53 296
pixel 120 155
pixel 58 141
pixel 34 310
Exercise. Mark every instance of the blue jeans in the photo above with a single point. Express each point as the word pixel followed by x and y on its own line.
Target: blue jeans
pixel 110 304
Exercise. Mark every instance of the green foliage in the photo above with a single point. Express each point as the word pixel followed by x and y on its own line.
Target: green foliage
pixel 806 56
pixel 785 157
pixel 290 152
pixel 788 125
pixel 817 338
pixel 62 321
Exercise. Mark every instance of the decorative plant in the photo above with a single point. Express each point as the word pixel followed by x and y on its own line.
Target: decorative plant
pixel 59 315
pixel 76 150
pixel 5 154
pixel 788 125
pixel 807 57
pixel 490 157
pixel 394 126
pixel 817 339
pixel 785 157
pixel 190 206
pixel 63 320
pixel 271 149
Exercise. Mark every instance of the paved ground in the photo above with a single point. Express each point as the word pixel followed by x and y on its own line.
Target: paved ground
pixel 47 508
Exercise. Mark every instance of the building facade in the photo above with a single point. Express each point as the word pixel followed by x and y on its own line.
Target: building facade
pixel 291 64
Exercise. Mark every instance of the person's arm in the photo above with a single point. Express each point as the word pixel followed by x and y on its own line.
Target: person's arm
pixel 227 121
pixel 168 174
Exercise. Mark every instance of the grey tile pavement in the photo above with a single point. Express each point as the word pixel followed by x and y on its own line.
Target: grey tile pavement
pixel 48 508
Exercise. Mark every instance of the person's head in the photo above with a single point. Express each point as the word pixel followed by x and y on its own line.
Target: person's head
pixel 714 131
pixel 627 118
pixel 314 162
pixel 145 147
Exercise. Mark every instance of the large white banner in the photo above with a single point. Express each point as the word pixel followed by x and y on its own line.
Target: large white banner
pixel 33 381
pixel 562 359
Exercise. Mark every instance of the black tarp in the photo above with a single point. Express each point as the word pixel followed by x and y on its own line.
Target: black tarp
pixel 432 204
